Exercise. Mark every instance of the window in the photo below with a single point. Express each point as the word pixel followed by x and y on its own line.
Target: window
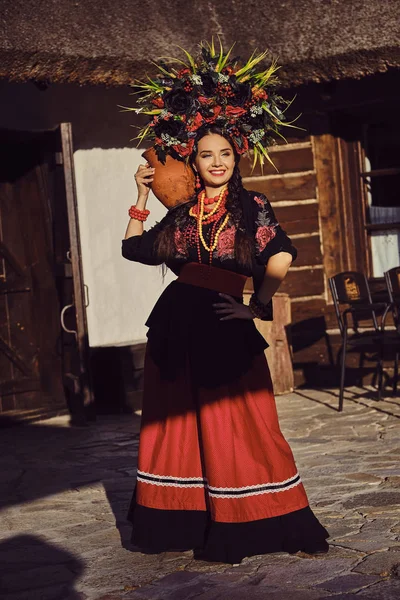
pixel 381 177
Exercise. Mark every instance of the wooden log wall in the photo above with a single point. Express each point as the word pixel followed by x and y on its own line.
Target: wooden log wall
pixel 292 192
pixel 314 198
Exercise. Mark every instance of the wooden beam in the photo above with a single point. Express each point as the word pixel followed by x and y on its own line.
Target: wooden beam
pixel 19 386
pixel 352 205
pixel 297 186
pixel 332 227
pixel 305 282
pixel 11 259
pixel 309 251
pixel 77 269
pixel 381 226
pixel 287 159
pixel 337 163
pixel 380 172
pixel 298 218
pixel 14 358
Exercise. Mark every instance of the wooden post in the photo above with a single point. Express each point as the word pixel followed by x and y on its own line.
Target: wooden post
pixel 332 225
pixel 340 204
pixel 279 352
pixel 84 384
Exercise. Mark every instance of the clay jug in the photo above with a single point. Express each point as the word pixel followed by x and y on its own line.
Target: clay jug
pixel 173 181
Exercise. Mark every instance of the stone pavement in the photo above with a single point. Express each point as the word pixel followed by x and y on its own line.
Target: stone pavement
pixel 65 492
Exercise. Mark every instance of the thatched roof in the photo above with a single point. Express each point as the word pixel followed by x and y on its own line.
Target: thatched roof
pixel 111 41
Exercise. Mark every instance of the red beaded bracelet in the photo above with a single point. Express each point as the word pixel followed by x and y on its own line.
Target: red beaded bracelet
pixel 139 215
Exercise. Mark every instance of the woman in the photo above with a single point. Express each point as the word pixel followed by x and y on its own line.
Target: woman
pixel 215 473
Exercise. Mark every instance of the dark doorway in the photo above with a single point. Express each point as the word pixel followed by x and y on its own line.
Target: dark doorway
pixel 42 364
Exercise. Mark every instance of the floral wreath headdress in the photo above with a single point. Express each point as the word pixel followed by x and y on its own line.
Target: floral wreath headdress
pixel 212 89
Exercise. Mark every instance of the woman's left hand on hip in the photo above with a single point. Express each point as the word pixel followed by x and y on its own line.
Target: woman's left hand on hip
pixel 230 309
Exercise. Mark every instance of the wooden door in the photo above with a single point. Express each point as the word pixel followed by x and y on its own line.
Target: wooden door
pixel 30 362
pixel 73 292
pixel 42 368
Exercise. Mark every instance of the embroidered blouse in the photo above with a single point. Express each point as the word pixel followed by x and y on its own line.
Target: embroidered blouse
pixel 269 238
pixel 183 323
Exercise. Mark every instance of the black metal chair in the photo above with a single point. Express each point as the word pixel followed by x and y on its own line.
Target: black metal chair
pixel 392 278
pixel 351 288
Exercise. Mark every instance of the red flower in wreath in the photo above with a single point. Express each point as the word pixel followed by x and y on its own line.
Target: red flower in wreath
pixel 241 147
pixel 184 150
pixel 159 102
pixel 205 101
pixel 234 111
pixel 216 112
pixel 259 94
pixel 183 72
pixel 196 122
pixel 264 235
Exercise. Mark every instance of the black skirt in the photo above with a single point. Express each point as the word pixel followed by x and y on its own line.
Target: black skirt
pixel 183 323
pixel 158 531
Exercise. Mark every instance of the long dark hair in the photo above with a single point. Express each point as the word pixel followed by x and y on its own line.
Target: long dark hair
pixel 178 217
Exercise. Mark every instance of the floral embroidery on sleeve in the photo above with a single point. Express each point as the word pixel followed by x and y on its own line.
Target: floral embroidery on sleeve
pixel 266 224
pixel 264 234
pixel 180 242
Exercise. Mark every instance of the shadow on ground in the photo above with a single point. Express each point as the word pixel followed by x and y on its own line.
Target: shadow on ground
pixel 66 491
pixel 41 460
pixel 28 562
pixel 365 396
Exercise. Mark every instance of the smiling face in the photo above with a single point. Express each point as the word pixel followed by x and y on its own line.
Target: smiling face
pixel 215 161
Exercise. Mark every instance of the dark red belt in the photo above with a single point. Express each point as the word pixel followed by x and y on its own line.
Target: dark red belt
pixel 211 278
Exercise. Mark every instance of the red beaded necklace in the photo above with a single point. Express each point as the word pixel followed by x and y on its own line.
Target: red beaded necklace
pixel 210 200
pixel 209 214
pixel 214 215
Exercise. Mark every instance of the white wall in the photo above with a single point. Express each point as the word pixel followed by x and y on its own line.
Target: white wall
pixel 121 292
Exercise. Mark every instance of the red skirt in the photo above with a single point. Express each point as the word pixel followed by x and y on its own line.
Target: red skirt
pixel 215 472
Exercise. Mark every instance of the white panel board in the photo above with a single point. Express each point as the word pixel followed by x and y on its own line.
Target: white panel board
pixel 121 292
